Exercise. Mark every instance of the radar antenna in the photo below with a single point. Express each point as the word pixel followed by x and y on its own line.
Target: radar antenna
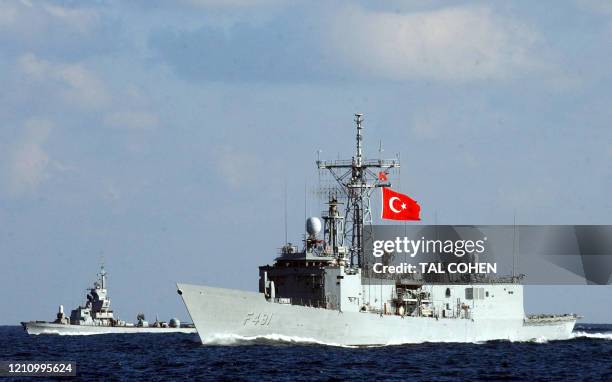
pixel 357 178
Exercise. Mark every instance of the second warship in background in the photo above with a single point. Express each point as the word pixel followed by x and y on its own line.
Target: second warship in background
pixel 96 317
pixel 322 293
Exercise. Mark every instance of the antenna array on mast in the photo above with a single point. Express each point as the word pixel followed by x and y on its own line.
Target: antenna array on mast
pixel 357 178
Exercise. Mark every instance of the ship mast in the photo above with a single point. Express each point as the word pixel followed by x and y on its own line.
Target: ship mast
pixel 357 178
pixel 102 275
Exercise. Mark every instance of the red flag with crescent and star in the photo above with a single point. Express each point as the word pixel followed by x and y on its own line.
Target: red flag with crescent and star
pixel 396 206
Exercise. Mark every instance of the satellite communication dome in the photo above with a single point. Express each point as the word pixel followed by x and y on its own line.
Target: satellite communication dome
pixel 313 225
pixel 175 323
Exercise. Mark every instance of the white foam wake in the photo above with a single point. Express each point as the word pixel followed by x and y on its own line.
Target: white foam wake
pixel 234 339
pixel 601 336
pixel 539 340
pixel 63 333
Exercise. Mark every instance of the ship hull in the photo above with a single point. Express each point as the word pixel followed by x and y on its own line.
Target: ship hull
pixel 218 312
pixel 36 328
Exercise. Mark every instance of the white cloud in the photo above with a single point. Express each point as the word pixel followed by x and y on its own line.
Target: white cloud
pixel 32 66
pixel 8 14
pixel 231 3
pixel 77 85
pixel 235 166
pixel 30 19
pixel 28 163
pixel 132 120
pixel 597 6
pixel 451 44
pixel 601 8
pixel 84 88
pixel 83 20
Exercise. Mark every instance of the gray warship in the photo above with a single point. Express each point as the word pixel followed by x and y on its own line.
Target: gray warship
pixel 96 317
pixel 319 293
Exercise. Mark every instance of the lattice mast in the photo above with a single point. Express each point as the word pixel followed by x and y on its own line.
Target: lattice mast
pixel 357 178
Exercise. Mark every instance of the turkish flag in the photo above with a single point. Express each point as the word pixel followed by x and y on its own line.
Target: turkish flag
pixel 396 206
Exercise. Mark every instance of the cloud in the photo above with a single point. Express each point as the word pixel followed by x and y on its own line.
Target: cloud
pixel 601 8
pixel 81 20
pixel 278 50
pixel 8 14
pixel 132 120
pixel 45 15
pixel 84 87
pixel 231 3
pixel 75 84
pixel 28 162
pixel 237 167
pixel 449 44
pixel 53 29
pixel 463 43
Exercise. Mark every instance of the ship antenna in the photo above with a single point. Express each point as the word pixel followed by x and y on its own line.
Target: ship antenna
pixel 286 239
pixel 305 199
pixel 358 120
pixel 513 246
pixel 102 276
pixel 356 180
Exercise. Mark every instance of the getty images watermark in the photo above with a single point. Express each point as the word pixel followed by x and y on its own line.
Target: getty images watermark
pixel 421 247
pixel 557 254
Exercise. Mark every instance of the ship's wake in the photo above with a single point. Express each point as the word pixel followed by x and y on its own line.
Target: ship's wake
pixel 272 339
pixel 234 339
pixel 63 333
pixel 599 336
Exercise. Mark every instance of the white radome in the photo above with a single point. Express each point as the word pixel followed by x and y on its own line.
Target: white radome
pixel 313 225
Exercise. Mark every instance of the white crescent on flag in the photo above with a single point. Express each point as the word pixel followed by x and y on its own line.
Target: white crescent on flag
pixel 391 200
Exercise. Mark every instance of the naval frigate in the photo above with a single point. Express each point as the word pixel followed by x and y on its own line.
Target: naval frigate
pixel 97 317
pixel 321 292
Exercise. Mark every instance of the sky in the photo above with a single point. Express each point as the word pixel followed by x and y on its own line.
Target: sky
pixel 158 136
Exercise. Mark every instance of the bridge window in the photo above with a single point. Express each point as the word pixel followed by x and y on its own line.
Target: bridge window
pixel 469 293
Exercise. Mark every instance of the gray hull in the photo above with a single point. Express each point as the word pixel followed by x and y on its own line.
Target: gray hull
pixel 219 313
pixel 36 328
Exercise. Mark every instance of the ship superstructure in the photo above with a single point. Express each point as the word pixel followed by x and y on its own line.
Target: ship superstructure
pixel 96 310
pixel 322 292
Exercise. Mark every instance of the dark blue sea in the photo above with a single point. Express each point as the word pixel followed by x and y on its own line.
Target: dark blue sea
pixel 171 357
